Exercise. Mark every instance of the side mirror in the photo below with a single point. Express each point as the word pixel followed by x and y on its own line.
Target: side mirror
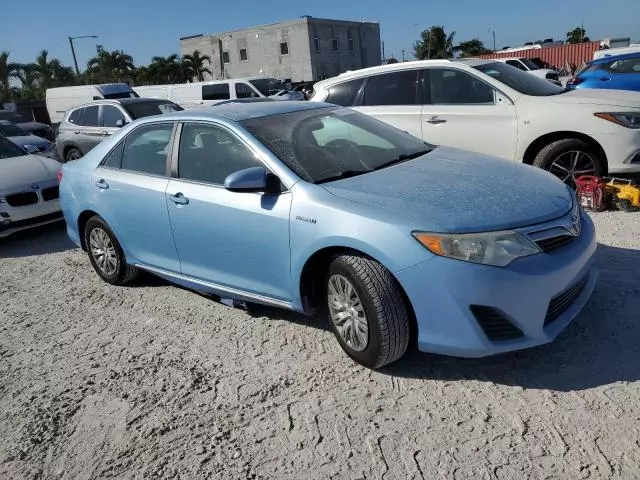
pixel 31 149
pixel 254 179
pixel 121 122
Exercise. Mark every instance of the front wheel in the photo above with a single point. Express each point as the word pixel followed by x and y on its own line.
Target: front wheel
pixel 73 154
pixel 105 253
pixel 570 159
pixel 367 311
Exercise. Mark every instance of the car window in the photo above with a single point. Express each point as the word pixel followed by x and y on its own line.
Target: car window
pixel 344 94
pixel 216 91
pixel 210 154
pixel 631 65
pixel 146 148
pixel 11 130
pixel 516 63
pixel 91 116
pixel 150 107
pixel 455 87
pixel 244 91
pixel 334 129
pixel 520 81
pixel 111 115
pixel 397 88
pixel 77 117
pixel 114 159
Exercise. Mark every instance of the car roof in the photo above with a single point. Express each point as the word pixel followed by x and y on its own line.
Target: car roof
pixel 120 101
pixel 244 111
pixel 392 67
pixel 613 58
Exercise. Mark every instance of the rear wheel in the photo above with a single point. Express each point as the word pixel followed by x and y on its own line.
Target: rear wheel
pixel 624 205
pixel 367 311
pixel 105 253
pixel 73 154
pixel 569 159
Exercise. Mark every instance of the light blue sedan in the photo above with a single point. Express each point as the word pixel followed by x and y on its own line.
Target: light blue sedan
pixel 323 210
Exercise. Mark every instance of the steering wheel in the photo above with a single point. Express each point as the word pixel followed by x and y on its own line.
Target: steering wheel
pixel 342 146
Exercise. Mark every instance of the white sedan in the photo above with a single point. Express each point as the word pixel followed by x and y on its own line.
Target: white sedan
pixel 28 189
pixel 492 108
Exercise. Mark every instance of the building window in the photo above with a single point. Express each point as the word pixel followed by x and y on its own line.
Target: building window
pixel 284 48
pixel 334 45
pixel 243 55
pixel 350 44
pixel 316 44
pixel 225 57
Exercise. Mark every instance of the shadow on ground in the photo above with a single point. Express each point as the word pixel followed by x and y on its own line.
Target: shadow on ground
pixel 50 238
pixel 600 347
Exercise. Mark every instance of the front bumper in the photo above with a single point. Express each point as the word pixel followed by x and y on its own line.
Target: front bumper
pixel 622 149
pixel 442 290
pixel 42 212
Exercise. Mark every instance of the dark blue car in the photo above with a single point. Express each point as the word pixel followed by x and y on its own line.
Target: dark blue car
pixel 619 72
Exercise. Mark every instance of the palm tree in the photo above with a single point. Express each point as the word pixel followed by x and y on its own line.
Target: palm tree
pixel 50 73
pixel 8 70
pixel 434 43
pixel 114 66
pixel 193 66
pixel 166 69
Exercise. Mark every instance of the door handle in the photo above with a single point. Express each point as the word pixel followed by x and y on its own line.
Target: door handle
pixel 179 199
pixel 436 121
pixel 104 134
pixel 101 184
pixel 605 79
pixel 77 132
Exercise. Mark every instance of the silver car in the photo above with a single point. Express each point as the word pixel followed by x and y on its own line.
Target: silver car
pixel 28 189
pixel 85 126
pixel 31 143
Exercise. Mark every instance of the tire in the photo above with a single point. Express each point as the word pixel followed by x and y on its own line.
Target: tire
pixel 116 273
pixel 624 205
pixel 381 302
pixel 554 155
pixel 72 154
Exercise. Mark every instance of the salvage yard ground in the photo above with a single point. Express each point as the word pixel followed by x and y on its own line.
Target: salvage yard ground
pixel 153 381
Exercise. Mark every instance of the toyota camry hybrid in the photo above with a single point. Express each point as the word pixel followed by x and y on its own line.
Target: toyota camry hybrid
pixel 324 210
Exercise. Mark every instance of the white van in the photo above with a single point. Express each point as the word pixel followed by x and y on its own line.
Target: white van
pixel 202 94
pixel 61 99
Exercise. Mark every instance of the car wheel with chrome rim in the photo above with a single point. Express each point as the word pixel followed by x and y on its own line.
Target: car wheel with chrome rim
pixel 367 311
pixel 105 253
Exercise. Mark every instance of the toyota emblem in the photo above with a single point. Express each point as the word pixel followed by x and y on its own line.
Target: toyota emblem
pixel 35 186
pixel 575 224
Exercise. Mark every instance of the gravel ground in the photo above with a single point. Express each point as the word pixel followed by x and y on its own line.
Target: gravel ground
pixel 153 381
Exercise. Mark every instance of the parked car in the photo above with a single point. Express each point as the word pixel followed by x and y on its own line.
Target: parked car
pixel 87 125
pixel 38 129
pixel 491 108
pixel 317 208
pixel 529 66
pixel 28 189
pixel 203 94
pixel 61 99
pixel 24 139
pixel 621 72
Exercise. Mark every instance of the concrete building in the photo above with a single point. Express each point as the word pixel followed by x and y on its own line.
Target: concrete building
pixel 303 49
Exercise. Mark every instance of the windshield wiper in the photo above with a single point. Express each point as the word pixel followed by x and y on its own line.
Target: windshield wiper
pixel 342 175
pixel 403 158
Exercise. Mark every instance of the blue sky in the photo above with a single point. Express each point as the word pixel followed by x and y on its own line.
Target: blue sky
pixel 143 30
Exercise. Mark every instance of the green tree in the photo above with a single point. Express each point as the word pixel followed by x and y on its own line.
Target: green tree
pixel 434 43
pixel 107 66
pixel 193 66
pixel 166 70
pixel 577 35
pixel 8 70
pixel 473 48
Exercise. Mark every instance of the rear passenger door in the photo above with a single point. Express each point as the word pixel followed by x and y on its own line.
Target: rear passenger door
pixel 91 133
pixel 395 99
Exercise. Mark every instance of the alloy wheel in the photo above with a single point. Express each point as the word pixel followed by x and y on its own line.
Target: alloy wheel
pixel 103 251
pixel 347 313
pixel 571 165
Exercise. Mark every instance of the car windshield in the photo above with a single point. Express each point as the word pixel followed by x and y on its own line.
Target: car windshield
pixel 326 144
pixel 519 80
pixel 268 86
pixel 147 109
pixel 8 149
pixel 11 130
pixel 530 65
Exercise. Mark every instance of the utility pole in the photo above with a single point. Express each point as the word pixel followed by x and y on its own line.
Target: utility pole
pixel 73 51
pixel 383 57
pixel 429 46
pixel 494 40
pixel 403 55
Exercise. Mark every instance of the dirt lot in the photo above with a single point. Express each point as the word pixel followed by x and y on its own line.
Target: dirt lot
pixel 153 381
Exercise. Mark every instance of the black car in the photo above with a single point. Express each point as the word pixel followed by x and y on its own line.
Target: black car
pixel 41 130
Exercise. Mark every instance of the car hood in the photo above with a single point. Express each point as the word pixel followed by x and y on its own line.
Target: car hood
pixel 597 96
pixel 29 140
pixel 455 191
pixel 19 171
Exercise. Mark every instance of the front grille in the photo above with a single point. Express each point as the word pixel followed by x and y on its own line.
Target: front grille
pixel 50 193
pixel 33 221
pixel 552 243
pixel 495 326
pixel 21 199
pixel 559 304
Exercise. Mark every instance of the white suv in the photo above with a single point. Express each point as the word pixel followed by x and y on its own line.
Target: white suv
pixel 529 66
pixel 492 108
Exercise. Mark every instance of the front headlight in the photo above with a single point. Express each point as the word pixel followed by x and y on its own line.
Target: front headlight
pixel 493 248
pixel 629 119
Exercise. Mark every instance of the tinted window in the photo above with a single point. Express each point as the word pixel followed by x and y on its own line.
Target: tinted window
pixel 516 63
pixel 91 116
pixel 398 88
pixel 147 109
pixel 8 149
pixel 210 154
pixel 344 94
pixel 522 82
pixel 244 91
pixel 111 115
pixel 455 87
pixel 217 91
pixel 77 117
pixel 631 65
pixel 146 149
pixel 114 159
